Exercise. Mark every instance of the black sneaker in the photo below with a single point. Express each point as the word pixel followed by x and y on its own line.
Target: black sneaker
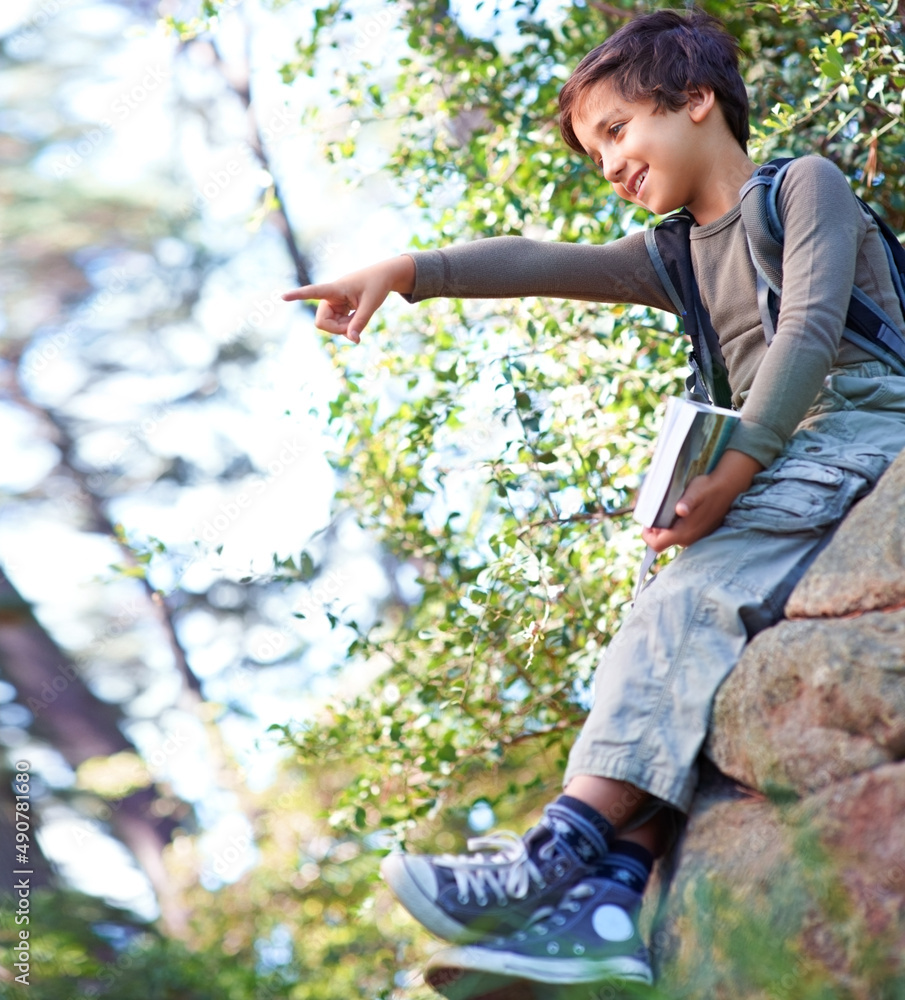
pixel 590 937
pixel 466 897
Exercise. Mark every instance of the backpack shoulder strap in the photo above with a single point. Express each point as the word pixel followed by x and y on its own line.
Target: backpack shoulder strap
pixel 895 253
pixel 669 248
pixel 764 232
pixel 866 323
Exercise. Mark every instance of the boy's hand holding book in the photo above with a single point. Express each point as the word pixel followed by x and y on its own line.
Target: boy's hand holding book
pixel 693 476
pixel 705 502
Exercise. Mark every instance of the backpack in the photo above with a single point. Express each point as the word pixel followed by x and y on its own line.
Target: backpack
pixel 669 247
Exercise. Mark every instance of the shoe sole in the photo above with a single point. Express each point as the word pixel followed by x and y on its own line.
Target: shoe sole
pixel 456 983
pixel 461 984
pixel 554 971
pixel 396 875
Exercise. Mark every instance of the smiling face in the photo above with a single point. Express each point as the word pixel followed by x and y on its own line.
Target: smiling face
pixel 660 160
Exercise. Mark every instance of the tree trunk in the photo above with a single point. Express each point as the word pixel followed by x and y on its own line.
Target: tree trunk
pixel 79 725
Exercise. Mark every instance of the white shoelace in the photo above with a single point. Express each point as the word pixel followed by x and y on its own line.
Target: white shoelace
pixel 507 873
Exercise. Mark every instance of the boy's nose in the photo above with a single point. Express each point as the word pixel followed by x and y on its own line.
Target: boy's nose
pixel 613 169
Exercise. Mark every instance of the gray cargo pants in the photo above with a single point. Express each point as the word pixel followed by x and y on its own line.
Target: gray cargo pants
pixel 656 682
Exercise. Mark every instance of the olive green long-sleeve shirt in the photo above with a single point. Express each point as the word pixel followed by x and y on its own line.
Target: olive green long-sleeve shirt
pixel 829 246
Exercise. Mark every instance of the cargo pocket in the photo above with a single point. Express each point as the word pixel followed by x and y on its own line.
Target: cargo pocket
pixel 808 489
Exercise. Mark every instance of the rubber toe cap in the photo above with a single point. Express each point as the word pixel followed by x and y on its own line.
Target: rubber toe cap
pixel 404 872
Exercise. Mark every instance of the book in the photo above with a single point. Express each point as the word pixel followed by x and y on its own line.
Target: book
pixel 693 437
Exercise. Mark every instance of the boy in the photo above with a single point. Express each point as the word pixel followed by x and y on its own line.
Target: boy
pixel 660 107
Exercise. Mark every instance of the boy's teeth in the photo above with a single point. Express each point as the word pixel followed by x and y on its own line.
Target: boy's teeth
pixel 639 182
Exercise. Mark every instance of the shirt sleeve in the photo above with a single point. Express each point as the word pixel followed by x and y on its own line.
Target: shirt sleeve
pixel 823 227
pixel 516 267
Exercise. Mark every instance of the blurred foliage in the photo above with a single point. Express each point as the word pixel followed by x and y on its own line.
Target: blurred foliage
pixel 837 90
pixel 79 947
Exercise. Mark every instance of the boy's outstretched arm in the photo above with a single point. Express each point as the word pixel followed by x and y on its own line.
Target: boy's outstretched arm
pixel 348 303
pixel 706 501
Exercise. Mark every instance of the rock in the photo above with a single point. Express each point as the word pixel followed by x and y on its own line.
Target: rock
pixel 788 882
pixel 811 702
pixel 777 902
pixel 863 567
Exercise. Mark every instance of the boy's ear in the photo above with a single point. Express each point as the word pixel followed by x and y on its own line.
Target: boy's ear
pixel 700 103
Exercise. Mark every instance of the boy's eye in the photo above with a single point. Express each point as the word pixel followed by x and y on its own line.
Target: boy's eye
pixel 614 130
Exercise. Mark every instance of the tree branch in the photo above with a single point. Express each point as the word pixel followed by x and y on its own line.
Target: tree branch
pixel 238 79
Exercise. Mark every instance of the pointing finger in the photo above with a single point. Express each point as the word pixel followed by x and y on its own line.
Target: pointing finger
pixel 305 293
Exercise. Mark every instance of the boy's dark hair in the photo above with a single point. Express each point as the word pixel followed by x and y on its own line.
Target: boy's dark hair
pixel 661 57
